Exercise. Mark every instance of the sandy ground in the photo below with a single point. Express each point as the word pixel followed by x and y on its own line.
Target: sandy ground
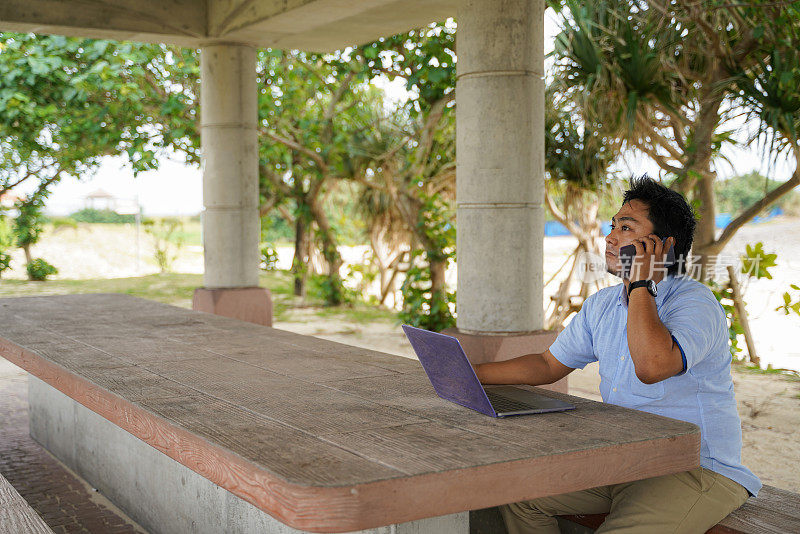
pixel 101 251
pixel 768 404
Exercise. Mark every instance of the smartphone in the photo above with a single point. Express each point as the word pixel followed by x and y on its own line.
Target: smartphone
pixel 628 252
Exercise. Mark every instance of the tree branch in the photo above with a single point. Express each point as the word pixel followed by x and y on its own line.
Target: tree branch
pixel 660 160
pixel 560 216
pixel 294 145
pixel 756 208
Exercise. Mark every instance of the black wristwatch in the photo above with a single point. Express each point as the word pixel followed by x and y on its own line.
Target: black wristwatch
pixel 649 284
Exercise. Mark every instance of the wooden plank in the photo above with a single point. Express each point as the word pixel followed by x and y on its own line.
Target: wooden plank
pixel 774 511
pixel 133 383
pixel 294 455
pixel 428 447
pixel 288 360
pixel 299 404
pixel 594 424
pixel 779 500
pixel 145 349
pixel 748 521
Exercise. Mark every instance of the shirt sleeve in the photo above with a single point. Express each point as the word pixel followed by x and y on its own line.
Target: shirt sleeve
pixel 573 347
pixel 696 323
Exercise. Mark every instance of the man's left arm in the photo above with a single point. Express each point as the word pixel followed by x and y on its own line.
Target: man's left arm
pixel 655 354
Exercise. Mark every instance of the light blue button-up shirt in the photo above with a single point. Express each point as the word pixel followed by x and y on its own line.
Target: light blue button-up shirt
pixel 702 394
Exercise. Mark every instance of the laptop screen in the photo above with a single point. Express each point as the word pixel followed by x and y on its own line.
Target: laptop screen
pixel 448 369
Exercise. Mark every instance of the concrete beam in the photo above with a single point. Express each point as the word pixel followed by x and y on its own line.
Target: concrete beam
pixel 314 25
pixel 327 25
pixel 180 22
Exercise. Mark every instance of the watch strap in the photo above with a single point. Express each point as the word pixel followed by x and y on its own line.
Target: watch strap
pixel 638 283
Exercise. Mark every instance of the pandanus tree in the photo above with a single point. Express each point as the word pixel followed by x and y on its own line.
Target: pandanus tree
pixel 413 162
pixel 671 73
pixel 578 157
pixel 771 93
pixel 409 193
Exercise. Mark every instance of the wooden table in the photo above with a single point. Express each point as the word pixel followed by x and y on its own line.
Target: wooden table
pixel 320 435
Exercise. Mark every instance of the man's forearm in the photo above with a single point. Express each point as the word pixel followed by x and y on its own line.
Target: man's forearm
pixel 531 369
pixel 649 341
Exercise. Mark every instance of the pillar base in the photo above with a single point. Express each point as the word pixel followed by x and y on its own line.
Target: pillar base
pixel 482 348
pixel 252 304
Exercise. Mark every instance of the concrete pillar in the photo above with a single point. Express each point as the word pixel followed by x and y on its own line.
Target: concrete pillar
pixel 231 228
pixel 500 186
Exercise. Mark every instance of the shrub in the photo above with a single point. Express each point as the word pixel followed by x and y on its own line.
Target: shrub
pixel 92 215
pixel 39 270
pixel 5 262
pixel 166 241
pixel 6 233
pixel 63 222
pixel 322 287
pixel 269 257
pixel 6 241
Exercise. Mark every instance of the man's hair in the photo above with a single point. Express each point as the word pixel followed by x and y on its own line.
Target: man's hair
pixel 670 214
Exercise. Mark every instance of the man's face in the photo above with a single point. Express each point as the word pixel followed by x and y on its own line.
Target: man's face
pixel 628 224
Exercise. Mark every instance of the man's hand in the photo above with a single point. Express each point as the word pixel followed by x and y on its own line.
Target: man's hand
pixel 650 261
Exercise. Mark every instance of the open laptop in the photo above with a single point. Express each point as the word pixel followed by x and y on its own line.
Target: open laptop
pixel 454 379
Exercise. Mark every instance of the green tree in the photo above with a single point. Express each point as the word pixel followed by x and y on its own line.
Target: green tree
pixel 309 108
pixel 28 224
pixel 411 154
pixel 6 242
pixel 65 103
pixel 738 193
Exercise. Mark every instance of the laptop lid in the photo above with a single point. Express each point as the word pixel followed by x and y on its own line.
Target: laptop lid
pixel 448 369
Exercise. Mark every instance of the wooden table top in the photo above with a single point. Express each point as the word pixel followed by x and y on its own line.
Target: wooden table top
pixel 323 436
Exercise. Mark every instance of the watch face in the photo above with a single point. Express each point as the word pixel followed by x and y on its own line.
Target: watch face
pixel 652 288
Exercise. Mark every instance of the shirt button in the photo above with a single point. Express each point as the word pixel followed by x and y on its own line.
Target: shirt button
pixel 621 358
pixel 614 389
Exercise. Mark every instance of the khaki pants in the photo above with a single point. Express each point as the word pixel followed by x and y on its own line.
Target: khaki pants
pixel 688 502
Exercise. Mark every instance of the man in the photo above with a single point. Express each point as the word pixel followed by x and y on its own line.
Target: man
pixel 661 339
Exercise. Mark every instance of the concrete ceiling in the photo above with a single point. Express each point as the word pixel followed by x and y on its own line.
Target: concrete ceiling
pixel 313 25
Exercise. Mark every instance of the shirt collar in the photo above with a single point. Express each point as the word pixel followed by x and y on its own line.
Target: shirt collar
pixel 662 288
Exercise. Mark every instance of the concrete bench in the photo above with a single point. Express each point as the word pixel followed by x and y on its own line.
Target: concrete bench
pixel 192 422
pixel 16 515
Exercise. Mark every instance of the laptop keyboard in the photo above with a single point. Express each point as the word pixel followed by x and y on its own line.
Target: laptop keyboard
pixel 503 404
